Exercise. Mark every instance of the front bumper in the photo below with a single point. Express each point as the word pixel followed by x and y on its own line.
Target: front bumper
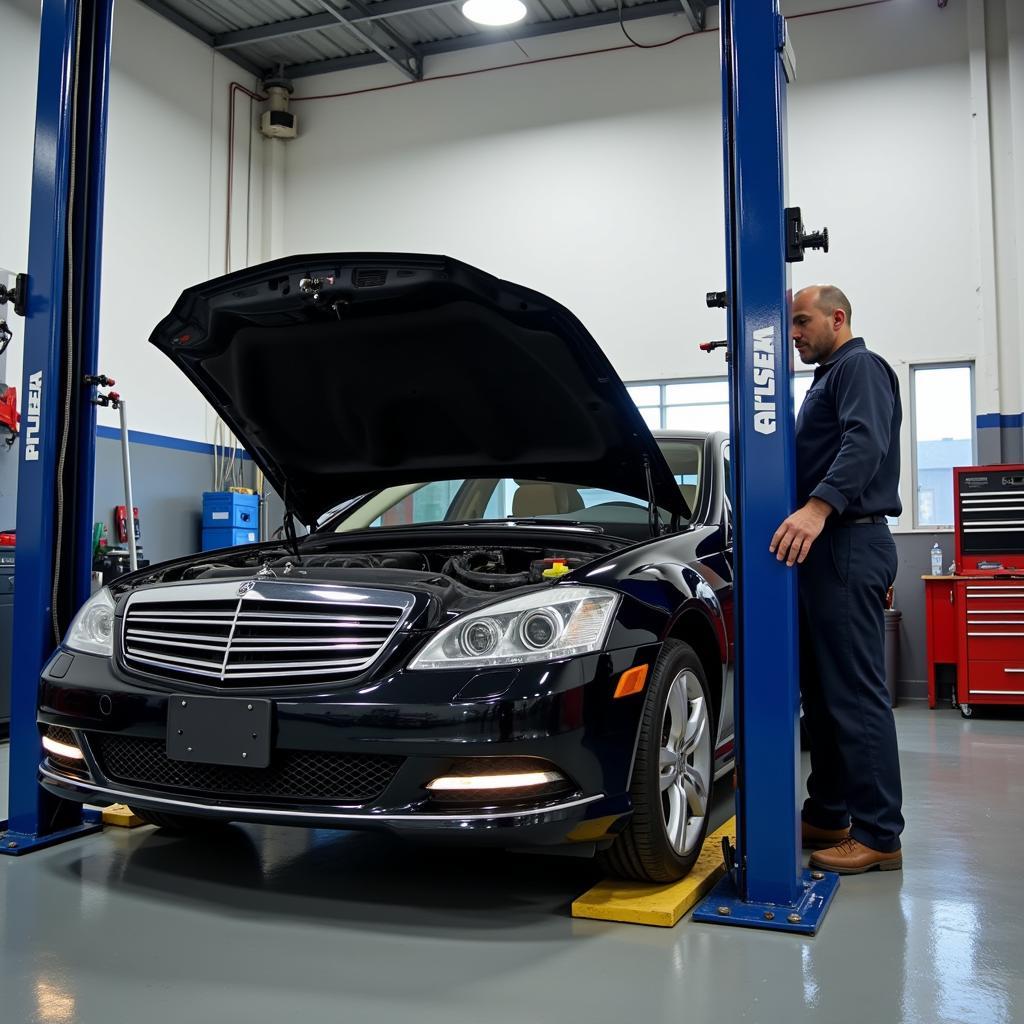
pixel 561 712
pixel 583 819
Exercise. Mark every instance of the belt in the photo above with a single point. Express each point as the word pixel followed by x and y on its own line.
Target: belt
pixel 859 520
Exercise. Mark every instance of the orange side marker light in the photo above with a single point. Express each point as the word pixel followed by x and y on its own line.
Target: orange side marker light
pixel 631 681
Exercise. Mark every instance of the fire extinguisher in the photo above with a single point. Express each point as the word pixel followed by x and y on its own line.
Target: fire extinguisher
pixel 121 522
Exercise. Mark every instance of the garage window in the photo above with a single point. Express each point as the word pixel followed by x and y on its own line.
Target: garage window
pixel 696 404
pixel 942 424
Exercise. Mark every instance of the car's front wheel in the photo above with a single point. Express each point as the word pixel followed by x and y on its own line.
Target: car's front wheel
pixel 672 773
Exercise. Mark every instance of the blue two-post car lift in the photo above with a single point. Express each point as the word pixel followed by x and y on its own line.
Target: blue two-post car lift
pixel 765 886
pixel 58 448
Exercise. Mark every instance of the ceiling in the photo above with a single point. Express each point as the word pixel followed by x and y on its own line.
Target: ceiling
pixel 299 38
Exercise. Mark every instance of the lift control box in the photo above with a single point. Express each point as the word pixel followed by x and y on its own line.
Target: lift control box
pixel 988 506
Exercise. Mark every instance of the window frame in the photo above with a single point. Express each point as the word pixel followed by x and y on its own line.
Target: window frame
pixel 904 369
pixel 940 364
pixel 666 382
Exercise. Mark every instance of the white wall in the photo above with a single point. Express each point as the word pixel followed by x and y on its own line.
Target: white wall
pixel 164 215
pixel 598 179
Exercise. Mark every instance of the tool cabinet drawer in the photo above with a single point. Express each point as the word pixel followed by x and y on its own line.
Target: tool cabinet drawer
pixel 989 598
pixel 1003 643
pixel 996 678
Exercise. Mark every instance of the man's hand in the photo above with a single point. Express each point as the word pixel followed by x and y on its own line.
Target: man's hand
pixel 793 539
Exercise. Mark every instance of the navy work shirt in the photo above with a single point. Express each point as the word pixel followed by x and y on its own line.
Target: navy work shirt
pixel 848 435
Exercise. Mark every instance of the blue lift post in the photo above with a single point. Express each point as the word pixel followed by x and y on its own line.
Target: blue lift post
pixel 57 457
pixel 765 886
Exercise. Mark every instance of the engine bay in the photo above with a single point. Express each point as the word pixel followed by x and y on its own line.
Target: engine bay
pixel 488 569
pixel 483 568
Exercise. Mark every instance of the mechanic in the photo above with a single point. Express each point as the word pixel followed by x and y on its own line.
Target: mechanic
pixel 848 468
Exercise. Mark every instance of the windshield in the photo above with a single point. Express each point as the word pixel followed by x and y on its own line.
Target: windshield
pixel 457 501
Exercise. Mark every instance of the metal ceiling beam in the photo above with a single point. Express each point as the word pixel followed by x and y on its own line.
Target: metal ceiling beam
pixel 400 55
pixel 490 38
pixel 275 30
pixel 696 14
pixel 695 11
pixel 315 22
pixel 356 13
pixel 200 33
pixel 526 30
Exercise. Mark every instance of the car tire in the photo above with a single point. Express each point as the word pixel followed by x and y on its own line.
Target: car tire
pixel 180 824
pixel 672 774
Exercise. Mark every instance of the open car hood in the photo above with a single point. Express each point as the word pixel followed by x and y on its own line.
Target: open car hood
pixel 347 373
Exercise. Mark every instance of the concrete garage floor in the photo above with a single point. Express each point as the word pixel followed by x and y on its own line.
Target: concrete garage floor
pixel 270 924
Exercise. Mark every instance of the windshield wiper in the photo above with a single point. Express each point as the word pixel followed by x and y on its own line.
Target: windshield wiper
pixel 541 521
pixel 517 520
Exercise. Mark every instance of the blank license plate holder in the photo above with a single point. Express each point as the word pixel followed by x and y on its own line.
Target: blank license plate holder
pixel 219 730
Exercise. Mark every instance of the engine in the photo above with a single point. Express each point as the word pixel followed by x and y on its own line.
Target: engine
pixel 480 569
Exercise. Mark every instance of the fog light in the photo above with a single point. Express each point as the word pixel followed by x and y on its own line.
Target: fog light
pixel 512 780
pixel 55 747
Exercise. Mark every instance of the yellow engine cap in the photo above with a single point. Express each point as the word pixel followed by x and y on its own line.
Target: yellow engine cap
pixel 556 570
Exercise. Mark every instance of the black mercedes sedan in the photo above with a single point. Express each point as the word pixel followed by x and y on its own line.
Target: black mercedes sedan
pixel 509 618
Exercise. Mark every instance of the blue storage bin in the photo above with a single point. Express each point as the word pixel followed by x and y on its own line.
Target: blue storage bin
pixel 228 538
pixel 224 510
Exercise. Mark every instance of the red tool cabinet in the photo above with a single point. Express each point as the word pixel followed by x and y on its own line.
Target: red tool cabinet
pixel 988 510
pixel 976 618
pixel 977 624
pixel 990 621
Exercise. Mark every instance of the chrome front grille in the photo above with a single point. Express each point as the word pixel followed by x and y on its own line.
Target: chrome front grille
pixel 259 632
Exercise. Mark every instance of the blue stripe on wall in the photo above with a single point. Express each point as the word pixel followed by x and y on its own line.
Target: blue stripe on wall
pixel 162 441
pixel 988 420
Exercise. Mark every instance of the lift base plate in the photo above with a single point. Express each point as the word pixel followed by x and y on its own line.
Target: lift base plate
pixel 14 844
pixel 724 906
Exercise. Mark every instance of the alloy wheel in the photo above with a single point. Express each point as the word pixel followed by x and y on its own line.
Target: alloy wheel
pixel 684 763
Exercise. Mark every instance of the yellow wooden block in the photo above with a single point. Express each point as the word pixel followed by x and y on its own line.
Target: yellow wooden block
pixel 121 815
pixel 650 903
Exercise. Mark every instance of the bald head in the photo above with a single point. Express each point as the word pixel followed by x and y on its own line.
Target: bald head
pixel 821 321
pixel 828 298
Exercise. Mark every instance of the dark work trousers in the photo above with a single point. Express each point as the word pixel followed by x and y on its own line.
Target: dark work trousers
pixel 855 768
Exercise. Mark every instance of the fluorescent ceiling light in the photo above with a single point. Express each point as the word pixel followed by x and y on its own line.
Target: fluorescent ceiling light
pixel 494 12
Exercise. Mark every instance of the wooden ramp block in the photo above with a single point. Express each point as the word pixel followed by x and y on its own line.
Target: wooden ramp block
pixel 122 816
pixel 650 903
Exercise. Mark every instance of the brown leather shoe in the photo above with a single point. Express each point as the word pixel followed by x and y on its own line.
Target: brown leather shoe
pixel 815 838
pixel 853 858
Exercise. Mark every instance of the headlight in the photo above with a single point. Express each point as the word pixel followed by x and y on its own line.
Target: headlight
pixel 554 623
pixel 92 632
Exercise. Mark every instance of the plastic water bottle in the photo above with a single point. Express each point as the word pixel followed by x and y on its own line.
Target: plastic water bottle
pixel 936 559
